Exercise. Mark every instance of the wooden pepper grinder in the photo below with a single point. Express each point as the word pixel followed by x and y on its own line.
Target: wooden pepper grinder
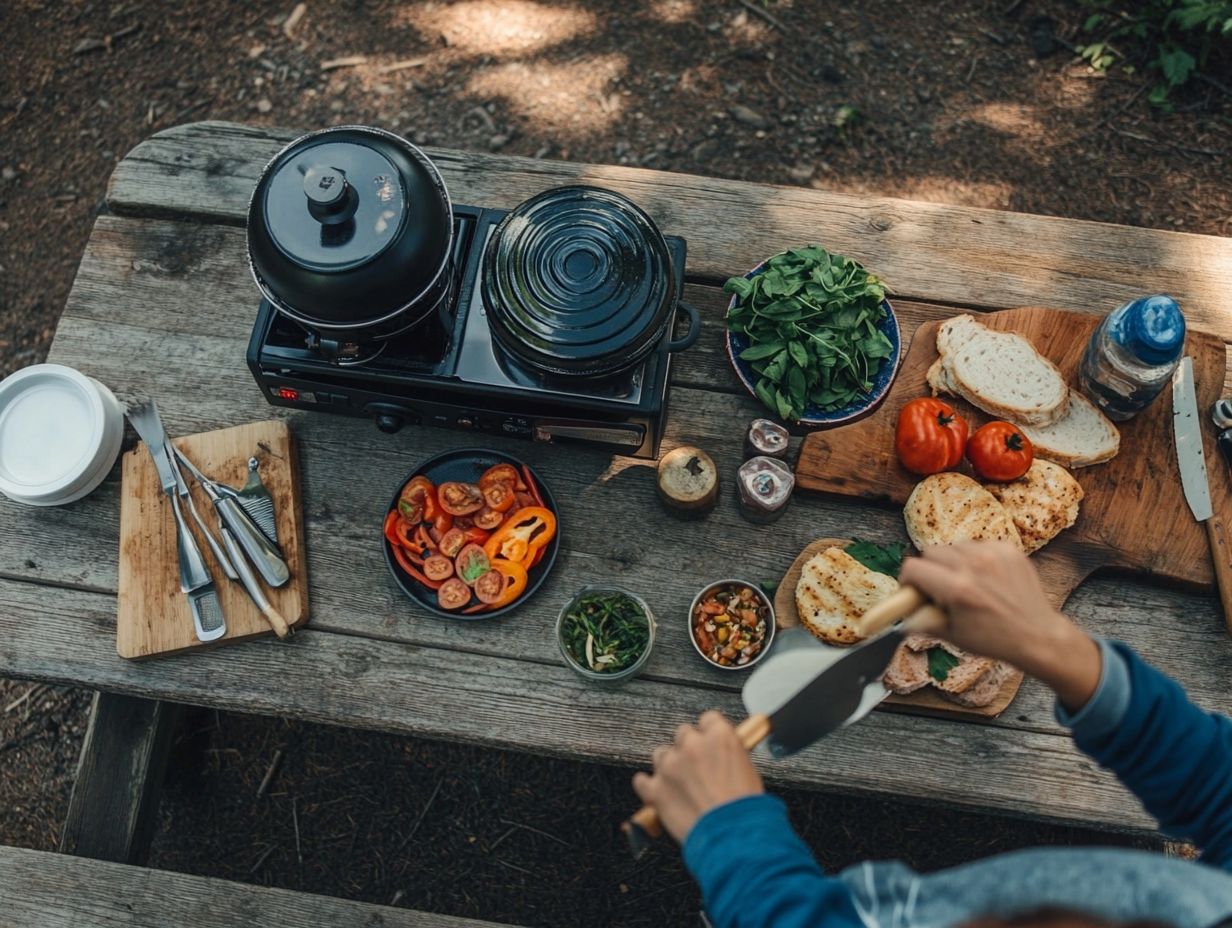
pixel 688 482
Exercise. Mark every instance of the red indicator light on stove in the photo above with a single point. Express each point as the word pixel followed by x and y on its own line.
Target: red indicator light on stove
pixel 288 393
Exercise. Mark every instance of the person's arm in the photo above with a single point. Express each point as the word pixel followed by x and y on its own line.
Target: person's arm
pixel 753 870
pixel 1176 758
pixel 1129 717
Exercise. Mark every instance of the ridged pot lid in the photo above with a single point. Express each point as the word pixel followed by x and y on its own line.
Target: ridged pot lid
pixel 577 280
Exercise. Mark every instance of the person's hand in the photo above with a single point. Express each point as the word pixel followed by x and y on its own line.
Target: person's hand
pixel 706 767
pixel 997 608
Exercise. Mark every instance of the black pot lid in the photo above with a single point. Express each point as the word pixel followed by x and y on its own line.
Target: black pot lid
pixel 577 280
pixel 334 206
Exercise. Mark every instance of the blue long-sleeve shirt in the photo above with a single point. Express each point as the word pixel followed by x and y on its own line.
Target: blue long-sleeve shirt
pixel 1176 758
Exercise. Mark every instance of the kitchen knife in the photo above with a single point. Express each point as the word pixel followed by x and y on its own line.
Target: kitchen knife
pixel 1191 459
pixel 250 584
pixel 195 580
pixel 818 697
pixel 219 554
pixel 259 549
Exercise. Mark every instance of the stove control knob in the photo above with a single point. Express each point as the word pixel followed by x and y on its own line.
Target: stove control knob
pixel 390 418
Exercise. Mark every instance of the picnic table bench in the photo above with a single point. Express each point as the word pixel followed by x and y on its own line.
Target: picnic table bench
pixel 163 304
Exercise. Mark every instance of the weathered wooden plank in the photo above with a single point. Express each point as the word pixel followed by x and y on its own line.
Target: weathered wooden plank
pixel 948 254
pixel 114 806
pixel 63 635
pixel 39 889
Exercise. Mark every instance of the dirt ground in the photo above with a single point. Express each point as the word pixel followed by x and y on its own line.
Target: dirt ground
pixel 942 102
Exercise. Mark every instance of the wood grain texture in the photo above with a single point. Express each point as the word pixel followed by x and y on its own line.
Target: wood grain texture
pixel 53 634
pixel 950 254
pixel 1133 516
pixel 44 890
pixel 153 616
pixel 926 701
pixel 114 806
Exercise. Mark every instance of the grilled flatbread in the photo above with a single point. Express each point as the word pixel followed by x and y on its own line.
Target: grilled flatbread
pixel 834 591
pixel 1043 502
pixel 947 508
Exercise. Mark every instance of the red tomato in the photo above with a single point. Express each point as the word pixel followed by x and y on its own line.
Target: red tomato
pixel 471 564
pixel 488 518
pixel 490 587
pixel 999 451
pixel 438 567
pixel 452 542
pixel 453 594
pixel 459 499
pixel 930 436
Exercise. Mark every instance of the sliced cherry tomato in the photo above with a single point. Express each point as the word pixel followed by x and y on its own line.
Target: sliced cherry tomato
pixel 438 567
pixel 999 451
pixel 515 581
pixel 404 561
pixel 522 535
pixel 490 586
pixel 471 564
pixel 459 499
pixel 453 594
pixel 452 542
pixel 500 473
pixel 464 522
pixel 930 436
pixel 499 496
pixel 415 498
pixel 531 487
pixel 490 519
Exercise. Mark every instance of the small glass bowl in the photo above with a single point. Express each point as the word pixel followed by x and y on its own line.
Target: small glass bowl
pixel 770 621
pixel 586 673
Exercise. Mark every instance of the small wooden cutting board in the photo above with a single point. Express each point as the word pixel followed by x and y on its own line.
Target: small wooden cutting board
pixel 926 701
pixel 153 617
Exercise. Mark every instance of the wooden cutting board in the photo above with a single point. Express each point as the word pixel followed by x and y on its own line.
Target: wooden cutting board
pixel 926 701
pixel 1134 515
pixel 153 616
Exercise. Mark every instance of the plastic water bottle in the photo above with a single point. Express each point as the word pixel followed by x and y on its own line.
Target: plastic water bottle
pixel 1132 355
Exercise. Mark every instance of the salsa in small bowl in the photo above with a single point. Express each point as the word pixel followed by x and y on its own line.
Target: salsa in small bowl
pixel 731 624
pixel 605 633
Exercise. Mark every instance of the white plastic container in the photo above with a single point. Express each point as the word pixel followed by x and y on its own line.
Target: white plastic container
pixel 60 433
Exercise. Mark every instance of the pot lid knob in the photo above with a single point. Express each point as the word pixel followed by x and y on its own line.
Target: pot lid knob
pixel 331 200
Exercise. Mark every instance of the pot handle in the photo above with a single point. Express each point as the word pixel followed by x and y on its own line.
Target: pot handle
pixel 695 328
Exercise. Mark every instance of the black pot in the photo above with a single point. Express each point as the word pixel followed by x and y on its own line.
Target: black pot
pixel 578 281
pixel 350 232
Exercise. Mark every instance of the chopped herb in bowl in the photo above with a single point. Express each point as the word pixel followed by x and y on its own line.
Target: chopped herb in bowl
pixel 605 633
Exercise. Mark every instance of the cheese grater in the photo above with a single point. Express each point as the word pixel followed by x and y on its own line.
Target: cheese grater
pixel 256 500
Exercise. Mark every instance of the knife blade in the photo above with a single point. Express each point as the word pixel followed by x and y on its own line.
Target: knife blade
pixel 818 701
pixel 1191 460
pixel 1187 430
pixel 219 554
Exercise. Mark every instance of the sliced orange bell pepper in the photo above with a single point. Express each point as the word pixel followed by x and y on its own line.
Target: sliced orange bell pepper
pixel 521 536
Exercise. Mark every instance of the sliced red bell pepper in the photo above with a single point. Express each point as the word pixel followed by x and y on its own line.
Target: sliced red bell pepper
pixel 532 487
pixel 403 559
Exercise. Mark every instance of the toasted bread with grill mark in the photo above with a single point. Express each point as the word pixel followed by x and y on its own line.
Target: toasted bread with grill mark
pixel 834 591
pixel 1043 502
pixel 947 508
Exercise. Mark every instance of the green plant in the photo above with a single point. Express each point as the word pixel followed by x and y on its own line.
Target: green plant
pixel 1174 38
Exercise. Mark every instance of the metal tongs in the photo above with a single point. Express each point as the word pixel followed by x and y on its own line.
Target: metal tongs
pixel 246 545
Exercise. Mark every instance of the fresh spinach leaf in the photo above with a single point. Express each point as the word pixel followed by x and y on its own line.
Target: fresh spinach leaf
pixel 885 559
pixel 940 663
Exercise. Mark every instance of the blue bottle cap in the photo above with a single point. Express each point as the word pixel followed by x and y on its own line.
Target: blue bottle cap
pixel 1156 329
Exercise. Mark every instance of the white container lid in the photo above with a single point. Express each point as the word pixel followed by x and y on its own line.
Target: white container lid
pixel 56 428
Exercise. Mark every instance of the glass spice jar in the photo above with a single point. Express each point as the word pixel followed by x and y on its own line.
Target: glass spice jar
pixel 765 486
pixel 767 438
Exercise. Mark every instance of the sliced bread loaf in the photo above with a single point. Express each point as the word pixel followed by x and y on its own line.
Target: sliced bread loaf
pixel 1080 438
pixel 999 372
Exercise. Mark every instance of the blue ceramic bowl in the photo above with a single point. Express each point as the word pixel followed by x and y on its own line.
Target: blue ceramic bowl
pixel 815 416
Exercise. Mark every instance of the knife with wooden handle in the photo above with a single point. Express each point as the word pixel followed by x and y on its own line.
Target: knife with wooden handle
pixel 1191 459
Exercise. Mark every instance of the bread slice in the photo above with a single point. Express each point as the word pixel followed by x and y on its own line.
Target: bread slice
pixel 999 372
pixel 1082 437
pixel 1043 502
pixel 970 669
pixel 984 690
pixel 908 671
pixel 949 507
pixel 834 591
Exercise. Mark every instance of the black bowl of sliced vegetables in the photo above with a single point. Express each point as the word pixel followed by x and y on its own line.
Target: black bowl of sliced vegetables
pixel 606 633
pixel 812 336
pixel 471 534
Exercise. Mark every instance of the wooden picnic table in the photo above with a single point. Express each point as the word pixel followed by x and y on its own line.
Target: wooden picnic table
pixel 163 304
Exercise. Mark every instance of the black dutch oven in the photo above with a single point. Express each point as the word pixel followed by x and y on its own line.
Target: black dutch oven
pixel 578 282
pixel 350 232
